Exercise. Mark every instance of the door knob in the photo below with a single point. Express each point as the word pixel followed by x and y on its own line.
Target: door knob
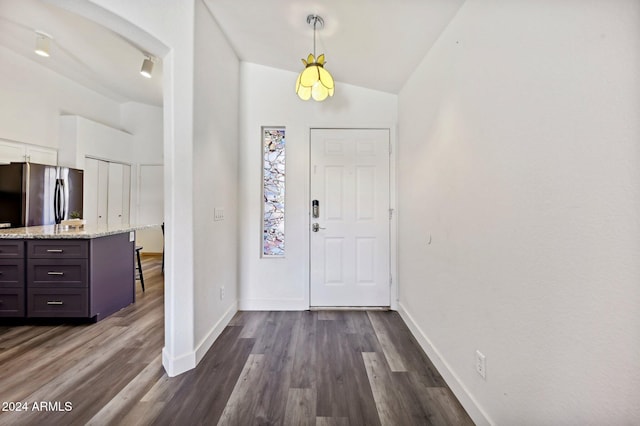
pixel 316 226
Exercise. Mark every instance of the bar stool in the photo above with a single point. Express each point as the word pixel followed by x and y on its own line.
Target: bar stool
pixel 139 267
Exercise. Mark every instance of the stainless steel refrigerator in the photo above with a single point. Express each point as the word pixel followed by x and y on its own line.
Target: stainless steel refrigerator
pixel 36 194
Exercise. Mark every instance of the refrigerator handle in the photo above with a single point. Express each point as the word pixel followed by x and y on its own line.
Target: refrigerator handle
pixel 63 199
pixel 56 202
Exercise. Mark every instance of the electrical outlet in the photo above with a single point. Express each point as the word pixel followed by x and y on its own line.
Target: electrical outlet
pixel 481 364
pixel 222 293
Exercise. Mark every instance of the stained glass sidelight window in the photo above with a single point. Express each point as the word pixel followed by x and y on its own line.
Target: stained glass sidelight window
pixel 273 156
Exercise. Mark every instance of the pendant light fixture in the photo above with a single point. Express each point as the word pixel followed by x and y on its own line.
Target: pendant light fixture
pixel 314 81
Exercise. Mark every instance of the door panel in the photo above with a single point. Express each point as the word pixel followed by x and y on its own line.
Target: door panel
pixel 350 250
pixel 126 193
pixel 91 191
pixel 115 196
pixel 103 192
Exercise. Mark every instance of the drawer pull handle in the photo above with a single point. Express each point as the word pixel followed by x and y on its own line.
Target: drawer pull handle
pixel 54 250
pixel 55 273
pixel 55 302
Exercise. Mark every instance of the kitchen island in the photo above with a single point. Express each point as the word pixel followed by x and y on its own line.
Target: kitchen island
pixel 62 272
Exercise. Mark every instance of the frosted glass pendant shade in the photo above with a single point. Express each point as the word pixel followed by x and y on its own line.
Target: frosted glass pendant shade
pixel 314 81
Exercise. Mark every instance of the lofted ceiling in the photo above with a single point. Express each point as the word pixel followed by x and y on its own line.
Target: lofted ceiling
pixel 370 43
pixel 374 44
pixel 81 50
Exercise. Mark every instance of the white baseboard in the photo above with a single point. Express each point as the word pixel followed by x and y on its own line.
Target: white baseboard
pixel 177 366
pixel 215 332
pixel 458 389
pixel 273 305
pixel 188 361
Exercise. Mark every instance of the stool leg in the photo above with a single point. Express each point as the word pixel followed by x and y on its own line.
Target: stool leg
pixel 140 269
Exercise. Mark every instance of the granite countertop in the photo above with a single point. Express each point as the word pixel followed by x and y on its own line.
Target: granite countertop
pixel 65 232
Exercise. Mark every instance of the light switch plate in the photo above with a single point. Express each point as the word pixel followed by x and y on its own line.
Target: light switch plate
pixel 218 214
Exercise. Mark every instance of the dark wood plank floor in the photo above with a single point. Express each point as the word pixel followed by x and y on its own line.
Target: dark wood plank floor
pixel 267 368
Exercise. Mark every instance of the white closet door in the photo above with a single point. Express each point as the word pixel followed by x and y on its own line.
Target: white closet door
pixel 96 179
pixel 115 197
pixel 102 190
pixel 90 196
pixel 126 193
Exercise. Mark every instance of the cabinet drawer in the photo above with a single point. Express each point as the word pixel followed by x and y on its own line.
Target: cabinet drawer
pixel 58 302
pixel 11 302
pixel 57 273
pixel 11 273
pixel 54 249
pixel 11 249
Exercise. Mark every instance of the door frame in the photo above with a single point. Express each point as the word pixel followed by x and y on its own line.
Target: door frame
pixel 393 223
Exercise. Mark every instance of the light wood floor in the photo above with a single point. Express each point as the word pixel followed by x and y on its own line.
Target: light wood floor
pixel 267 368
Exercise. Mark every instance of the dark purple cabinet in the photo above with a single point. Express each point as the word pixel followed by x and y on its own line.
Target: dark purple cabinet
pixel 11 249
pixel 12 278
pixel 54 273
pixel 57 278
pixel 11 302
pixel 58 249
pixel 49 278
pixel 57 302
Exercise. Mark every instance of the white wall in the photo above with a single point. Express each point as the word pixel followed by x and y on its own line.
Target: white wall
pixel 519 204
pixel 32 98
pixel 145 124
pixel 268 99
pixel 215 168
pixel 173 25
pixel 150 203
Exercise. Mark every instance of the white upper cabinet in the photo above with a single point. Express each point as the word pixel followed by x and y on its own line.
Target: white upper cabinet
pixel 41 155
pixel 18 152
pixel 11 152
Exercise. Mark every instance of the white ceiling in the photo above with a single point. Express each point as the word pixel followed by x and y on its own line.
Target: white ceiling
pixel 81 50
pixel 369 43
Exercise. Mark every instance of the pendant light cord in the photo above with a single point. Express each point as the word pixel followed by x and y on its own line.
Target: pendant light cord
pixel 315 21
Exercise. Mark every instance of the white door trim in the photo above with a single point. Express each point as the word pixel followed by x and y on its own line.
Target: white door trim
pixel 393 227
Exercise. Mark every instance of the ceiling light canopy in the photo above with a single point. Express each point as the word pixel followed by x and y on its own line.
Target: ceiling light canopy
pixel 42 44
pixel 147 67
pixel 314 81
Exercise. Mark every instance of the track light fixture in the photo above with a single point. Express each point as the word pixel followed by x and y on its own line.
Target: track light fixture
pixel 147 67
pixel 42 44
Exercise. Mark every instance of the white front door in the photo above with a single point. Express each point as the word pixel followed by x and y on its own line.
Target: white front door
pixel 350 237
